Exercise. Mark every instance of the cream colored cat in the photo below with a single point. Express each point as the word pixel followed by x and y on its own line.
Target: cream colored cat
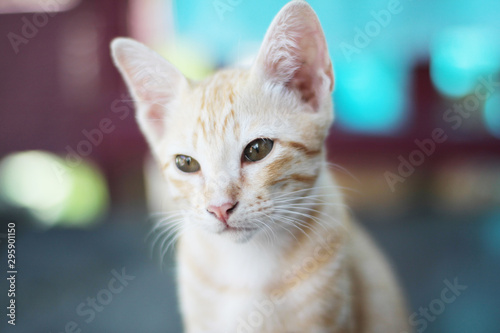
pixel 266 244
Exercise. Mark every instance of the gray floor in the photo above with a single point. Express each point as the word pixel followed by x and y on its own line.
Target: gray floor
pixel 60 269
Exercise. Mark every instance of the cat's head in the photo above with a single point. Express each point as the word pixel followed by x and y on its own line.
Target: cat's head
pixel 241 147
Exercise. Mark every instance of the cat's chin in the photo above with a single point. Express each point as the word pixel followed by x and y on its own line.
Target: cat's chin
pixel 238 235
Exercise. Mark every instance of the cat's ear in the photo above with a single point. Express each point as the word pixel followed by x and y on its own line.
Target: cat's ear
pixel 153 82
pixel 294 54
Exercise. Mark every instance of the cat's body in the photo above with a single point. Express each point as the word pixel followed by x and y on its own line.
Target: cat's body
pixel 332 280
pixel 266 244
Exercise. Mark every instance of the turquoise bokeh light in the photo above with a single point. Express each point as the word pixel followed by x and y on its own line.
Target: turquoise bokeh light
pixel 370 96
pixel 459 56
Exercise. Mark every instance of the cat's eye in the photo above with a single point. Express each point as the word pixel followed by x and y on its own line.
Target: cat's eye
pixel 187 163
pixel 258 149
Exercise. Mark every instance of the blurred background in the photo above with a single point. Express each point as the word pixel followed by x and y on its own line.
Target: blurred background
pixel 416 143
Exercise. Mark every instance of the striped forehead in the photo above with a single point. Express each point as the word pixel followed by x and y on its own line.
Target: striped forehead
pixel 217 118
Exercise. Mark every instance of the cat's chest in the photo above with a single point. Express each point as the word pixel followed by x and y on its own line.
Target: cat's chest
pixel 217 286
pixel 226 267
pixel 223 289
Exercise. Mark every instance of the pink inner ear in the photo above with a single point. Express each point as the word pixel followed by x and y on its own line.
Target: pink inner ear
pixel 153 82
pixel 295 55
pixel 305 84
pixel 154 93
pixel 155 118
pixel 312 69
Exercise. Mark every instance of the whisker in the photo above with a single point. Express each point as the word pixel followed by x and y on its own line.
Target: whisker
pixel 286 193
pixel 266 233
pixel 318 203
pixel 172 241
pixel 162 221
pixel 274 222
pixel 308 216
pixel 170 232
pixel 161 225
pixel 310 197
pixel 296 206
pixel 342 169
pixel 296 224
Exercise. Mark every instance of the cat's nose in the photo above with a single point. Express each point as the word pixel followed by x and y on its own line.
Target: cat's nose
pixel 222 212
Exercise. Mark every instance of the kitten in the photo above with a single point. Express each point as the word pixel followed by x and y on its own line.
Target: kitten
pixel 265 242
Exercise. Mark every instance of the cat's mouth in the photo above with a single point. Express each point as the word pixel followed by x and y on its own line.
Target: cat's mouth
pixel 238 234
pixel 236 229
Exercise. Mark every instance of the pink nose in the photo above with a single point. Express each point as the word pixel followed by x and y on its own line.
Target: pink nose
pixel 222 212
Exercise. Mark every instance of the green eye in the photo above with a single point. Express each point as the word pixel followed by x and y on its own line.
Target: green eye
pixel 258 149
pixel 187 163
